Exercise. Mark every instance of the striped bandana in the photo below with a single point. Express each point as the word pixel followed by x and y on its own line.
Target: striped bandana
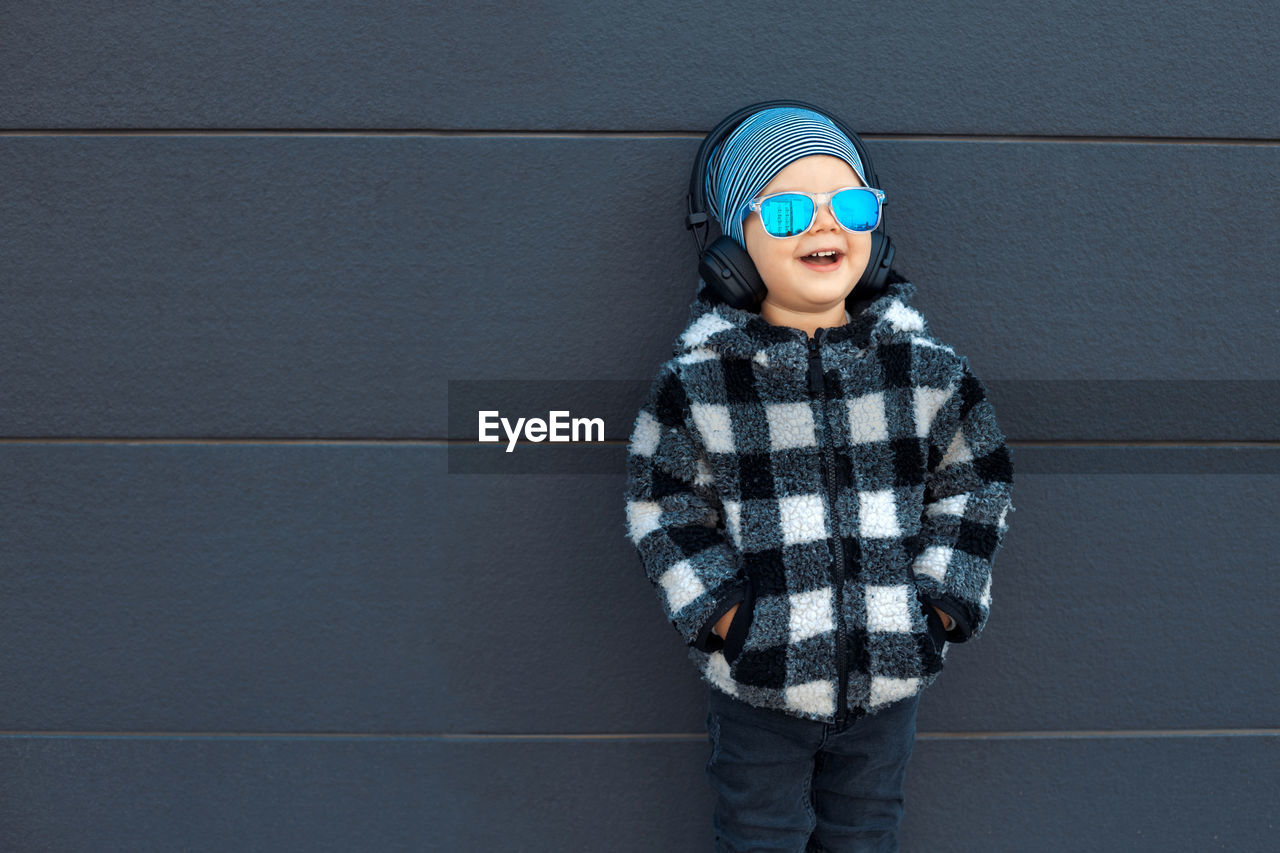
pixel 760 147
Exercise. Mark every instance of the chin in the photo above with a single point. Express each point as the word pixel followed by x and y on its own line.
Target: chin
pixel 830 292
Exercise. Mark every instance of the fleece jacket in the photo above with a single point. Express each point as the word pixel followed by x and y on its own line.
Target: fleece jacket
pixel 835 487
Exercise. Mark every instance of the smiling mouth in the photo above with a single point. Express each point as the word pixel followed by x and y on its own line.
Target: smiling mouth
pixel 822 260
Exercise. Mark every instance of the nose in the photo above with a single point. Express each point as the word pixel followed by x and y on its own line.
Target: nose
pixel 823 219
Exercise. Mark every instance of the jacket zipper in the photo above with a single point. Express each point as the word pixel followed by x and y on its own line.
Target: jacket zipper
pixel 817 384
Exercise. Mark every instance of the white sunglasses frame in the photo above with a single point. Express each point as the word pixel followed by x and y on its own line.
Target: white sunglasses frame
pixel 817 199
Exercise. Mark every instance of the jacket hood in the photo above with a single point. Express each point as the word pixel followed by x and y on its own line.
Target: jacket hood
pixel 719 329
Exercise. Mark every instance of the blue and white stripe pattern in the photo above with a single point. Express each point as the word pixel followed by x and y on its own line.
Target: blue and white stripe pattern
pixel 760 147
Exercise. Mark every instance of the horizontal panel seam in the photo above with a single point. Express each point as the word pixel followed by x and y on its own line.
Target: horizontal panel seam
pixel 1190 444
pixel 632 134
pixel 621 737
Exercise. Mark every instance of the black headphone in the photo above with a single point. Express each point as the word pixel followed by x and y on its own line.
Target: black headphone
pixel 727 269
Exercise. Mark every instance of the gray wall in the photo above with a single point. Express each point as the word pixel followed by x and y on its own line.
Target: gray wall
pixel 255 259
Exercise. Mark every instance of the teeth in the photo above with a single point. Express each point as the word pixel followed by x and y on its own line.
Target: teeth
pixel 827 253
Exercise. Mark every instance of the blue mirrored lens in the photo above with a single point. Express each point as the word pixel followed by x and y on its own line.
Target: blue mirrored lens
pixel 856 209
pixel 786 215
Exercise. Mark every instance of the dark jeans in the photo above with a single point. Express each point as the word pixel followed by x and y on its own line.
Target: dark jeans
pixel 785 783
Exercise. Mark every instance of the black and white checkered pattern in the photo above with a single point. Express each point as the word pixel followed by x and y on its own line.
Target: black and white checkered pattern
pixel 729 472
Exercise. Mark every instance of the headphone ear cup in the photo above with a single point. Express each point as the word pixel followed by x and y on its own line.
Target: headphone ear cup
pixel 731 275
pixel 875 277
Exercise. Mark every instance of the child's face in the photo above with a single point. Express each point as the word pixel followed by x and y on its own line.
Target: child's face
pixel 793 284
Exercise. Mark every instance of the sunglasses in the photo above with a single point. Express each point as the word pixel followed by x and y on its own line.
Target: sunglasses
pixel 790 214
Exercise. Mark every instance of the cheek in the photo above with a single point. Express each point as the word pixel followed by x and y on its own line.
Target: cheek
pixel 861 250
pixel 762 254
pixel 772 264
pixel 753 235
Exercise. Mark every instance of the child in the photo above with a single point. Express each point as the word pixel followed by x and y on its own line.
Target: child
pixel 817 488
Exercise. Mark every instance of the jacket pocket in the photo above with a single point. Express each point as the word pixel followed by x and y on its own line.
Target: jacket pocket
pixel 930 643
pixel 937 631
pixel 736 637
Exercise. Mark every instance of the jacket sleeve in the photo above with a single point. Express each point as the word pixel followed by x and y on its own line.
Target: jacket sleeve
pixel 674 519
pixel 967 496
